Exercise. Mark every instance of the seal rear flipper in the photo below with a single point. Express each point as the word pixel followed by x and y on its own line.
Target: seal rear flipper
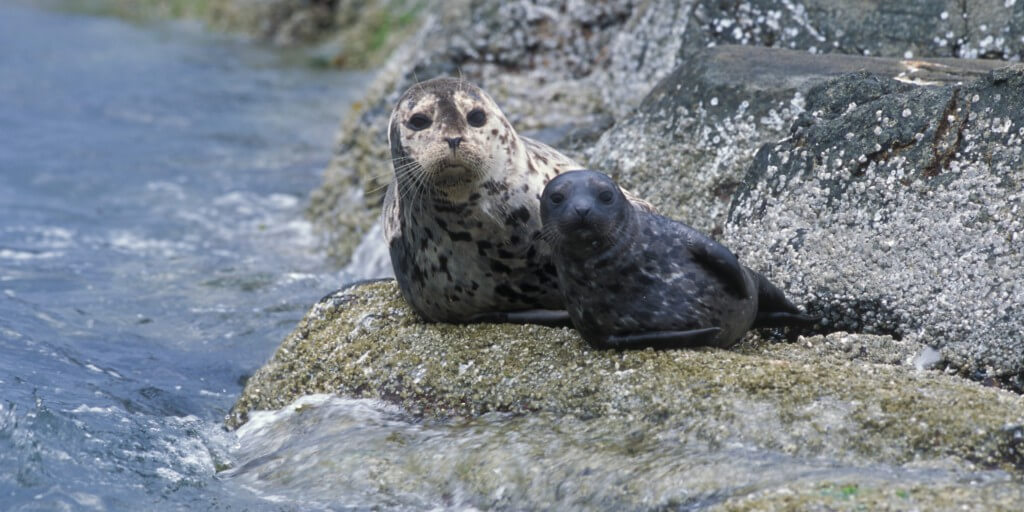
pixel 660 339
pixel 547 317
pixel 719 260
pixel 774 309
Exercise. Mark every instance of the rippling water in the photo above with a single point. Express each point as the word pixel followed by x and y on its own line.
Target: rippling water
pixel 152 251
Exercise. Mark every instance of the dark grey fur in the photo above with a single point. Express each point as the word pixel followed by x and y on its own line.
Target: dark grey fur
pixel 633 278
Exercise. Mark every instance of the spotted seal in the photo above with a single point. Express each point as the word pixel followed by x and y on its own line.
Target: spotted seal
pixel 635 278
pixel 461 215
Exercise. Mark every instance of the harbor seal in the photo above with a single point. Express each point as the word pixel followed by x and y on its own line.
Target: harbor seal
pixel 462 215
pixel 634 278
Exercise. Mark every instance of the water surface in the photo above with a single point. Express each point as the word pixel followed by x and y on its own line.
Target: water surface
pixel 153 251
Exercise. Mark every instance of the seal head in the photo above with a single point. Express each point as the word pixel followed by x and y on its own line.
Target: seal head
pixel 585 213
pixel 448 135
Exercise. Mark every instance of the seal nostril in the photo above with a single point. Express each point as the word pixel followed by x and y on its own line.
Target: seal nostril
pixel 582 211
pixel 454 142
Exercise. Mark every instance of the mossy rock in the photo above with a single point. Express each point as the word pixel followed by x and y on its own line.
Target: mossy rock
pixel 813 398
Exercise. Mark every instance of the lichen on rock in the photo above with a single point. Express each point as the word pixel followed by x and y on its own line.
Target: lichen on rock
pixel 896 209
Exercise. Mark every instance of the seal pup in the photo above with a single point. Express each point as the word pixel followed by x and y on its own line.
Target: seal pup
pixel 633 278
pixel 462 215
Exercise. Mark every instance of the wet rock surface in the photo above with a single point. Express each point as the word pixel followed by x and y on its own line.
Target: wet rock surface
pixel 896 209
pixel 853 399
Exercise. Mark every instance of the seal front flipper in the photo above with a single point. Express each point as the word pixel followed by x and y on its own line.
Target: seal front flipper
pixel 657 339
pixel 547 317
pixel 782 319
pixel 722 262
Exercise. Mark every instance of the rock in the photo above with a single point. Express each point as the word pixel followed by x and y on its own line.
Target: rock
pixel 850 399
pixel 897 209
pixel 567 70
pixel 342 33
pixel 687 147
pixel 356 453
pixel 282 22
pixel 939 28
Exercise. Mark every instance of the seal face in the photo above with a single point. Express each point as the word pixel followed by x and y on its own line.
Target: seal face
pixel 462 214
pixel 634 278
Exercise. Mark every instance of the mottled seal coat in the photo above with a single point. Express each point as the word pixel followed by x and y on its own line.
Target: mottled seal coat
pixel 462 214
pixel 634 278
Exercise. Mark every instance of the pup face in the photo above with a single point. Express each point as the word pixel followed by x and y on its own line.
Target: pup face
pixel 583 211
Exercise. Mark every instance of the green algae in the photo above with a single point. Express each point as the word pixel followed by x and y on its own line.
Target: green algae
pixel 348 34
pixel 882 495
pixel 365 342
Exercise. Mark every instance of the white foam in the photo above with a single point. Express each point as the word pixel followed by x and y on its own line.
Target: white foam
pixel 371 259
pixel 130 242
pixel 9 254
pixel 83 409
pixel 169 474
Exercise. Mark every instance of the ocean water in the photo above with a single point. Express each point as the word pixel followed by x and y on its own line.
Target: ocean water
pixel 153 251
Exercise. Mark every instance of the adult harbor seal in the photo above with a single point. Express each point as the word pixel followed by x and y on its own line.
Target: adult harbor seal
pixel 634 278
pixel 462 213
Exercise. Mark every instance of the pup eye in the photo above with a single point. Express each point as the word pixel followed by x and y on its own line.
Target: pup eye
pixel 476 118
pixel 557 198
pixel 605 196
pixel 419 122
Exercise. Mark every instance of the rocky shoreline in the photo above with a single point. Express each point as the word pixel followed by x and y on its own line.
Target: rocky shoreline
pixel 861 155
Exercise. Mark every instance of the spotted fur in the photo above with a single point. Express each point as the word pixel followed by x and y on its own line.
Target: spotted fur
pixel 627 272
pixel 462 214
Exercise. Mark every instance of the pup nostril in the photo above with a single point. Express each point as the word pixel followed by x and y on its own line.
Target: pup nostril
pixel 582 211
pixel 454 142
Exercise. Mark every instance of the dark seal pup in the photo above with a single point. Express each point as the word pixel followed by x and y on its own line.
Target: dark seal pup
pixel 633 278
pixel 462 216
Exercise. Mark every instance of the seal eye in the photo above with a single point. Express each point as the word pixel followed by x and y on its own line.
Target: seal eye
pixel 557 198
pixel 419 122
pixel 605 196
pixel 476 118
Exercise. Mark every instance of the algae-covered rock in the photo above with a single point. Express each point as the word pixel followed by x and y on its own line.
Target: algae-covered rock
pixel 882 493
pixel 365 342
pixel 282 22
pixel 897 209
